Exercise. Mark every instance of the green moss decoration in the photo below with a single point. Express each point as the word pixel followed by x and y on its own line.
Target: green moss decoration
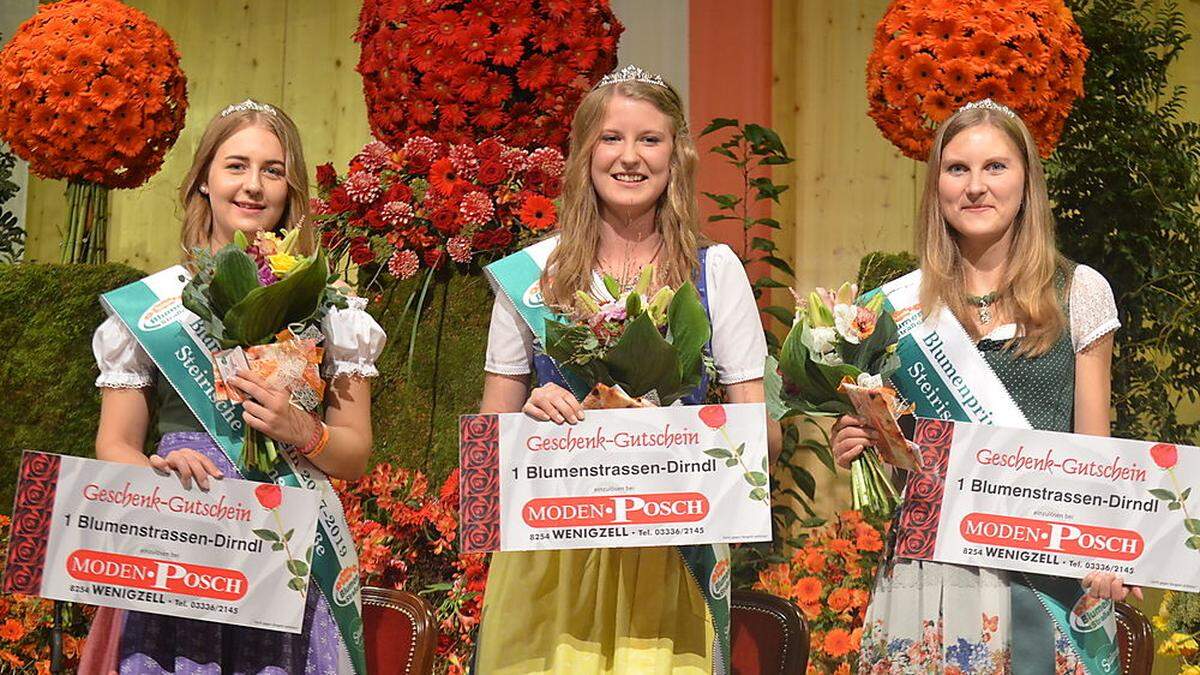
pixel 47 316
pixel 877 268
pixel 416 415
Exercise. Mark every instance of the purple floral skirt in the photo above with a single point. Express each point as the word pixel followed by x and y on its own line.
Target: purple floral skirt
pixel 156 644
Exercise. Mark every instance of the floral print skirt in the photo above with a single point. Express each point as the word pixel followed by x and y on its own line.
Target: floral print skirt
pixel 928 617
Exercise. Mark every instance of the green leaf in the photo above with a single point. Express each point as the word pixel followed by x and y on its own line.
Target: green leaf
pixel 779 264
pixel 235 276
pixel 308 555
pixel 268 535
pixel 775 159
pixel 1165 495
pixel 1193 542
pixel 768 282
pixel 287 536
pixel 755 477
pixel 611 285
pixel 1187 492
pixel 762 244
pixel 297 567
pixel 740 449
pixel 731 462
pixel 782 314
pixel 689 331
pixel 642 361
pixel 759 494
pixel 769 222
pixel 297 584
pixel 1174 506
pixel 719 123
pixel 277 546
pixel 1192 525
pixel 724 201
pixel 266 310
pixel 719 453
pixel 721 216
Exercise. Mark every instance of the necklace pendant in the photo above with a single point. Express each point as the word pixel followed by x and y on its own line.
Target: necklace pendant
pixel 985 314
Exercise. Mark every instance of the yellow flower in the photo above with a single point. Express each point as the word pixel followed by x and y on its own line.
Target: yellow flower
pixel 1190 670
pixel 282 263
pixel 1159 621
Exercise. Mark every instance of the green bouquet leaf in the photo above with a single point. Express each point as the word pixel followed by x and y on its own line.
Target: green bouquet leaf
pixel 634 343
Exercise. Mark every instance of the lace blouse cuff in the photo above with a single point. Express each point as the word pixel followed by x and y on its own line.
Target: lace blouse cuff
pixel 122 361
pixel 353 341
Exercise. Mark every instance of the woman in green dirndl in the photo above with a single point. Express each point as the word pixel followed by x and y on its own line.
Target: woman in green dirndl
pixel 1036 330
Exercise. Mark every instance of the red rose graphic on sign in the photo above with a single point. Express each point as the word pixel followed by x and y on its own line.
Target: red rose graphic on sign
pixel 714 417
pixel 269 495
pixel 1166 456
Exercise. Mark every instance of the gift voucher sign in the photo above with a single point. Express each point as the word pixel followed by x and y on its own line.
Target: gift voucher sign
pixel 124 536
pixel 625 477
pixel 1054 503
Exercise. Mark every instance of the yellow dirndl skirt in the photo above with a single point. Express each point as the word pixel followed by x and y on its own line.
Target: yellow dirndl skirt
pixel 593 611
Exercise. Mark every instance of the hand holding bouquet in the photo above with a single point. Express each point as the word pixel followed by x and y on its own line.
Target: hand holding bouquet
pixel 263 304
pixel 835 360
pixel 651 347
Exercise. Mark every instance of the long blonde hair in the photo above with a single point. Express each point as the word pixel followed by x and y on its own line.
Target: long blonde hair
pixel 197 212
pixel 676 217
pixel 1027 293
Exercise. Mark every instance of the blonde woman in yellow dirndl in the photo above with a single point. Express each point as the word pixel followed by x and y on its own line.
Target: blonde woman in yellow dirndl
pixel 628 201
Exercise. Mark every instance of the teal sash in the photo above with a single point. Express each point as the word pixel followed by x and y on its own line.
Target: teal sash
pixel 945 377
pixel 517 276
pixel 177 342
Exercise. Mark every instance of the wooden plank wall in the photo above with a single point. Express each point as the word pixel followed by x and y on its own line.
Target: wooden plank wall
pixel 295 53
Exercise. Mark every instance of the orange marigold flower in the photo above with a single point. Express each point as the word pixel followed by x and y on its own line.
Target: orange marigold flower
pixel 840 599
pixel 920 71
pixel 814 562
pixel 809 589
pixel 842 669
pixel 12 630
pixel 837 642
pixel 856 639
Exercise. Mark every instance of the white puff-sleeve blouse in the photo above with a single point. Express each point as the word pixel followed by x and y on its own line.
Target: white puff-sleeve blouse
pixel 353 342
pixel 1091 307
pixel 739 347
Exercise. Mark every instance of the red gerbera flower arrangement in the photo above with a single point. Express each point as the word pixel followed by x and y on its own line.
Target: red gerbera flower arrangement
pixel 429 204
pixel 460 71
pixel 92 91
pixel 933 56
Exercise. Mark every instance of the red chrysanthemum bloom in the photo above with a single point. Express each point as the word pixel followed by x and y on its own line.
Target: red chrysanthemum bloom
pixel 446 221
pixel 476 208
pixel 403 264
pixel 362 187
pixel 459 249
pixel 373 157
pixel 548 160
pixel 464 160
pixel 396 214
pixel 537 213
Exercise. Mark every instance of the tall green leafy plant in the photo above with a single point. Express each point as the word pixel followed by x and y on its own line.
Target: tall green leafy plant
pixel 751 149
pixel 12 235
pixel 1125 181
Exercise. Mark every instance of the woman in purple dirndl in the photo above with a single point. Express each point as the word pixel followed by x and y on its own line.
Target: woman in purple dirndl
pixel 248 175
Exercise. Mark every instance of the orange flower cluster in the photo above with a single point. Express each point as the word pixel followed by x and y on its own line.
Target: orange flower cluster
pixel 91 90
pixel 933 56
pixel 25 628
pixel 406 539
pixel 830 577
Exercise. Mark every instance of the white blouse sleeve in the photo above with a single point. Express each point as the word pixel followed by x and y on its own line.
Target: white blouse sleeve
pixel 353 341
pixel 738 344
pixel 1092 307
pixel 122 361
pixel 510 341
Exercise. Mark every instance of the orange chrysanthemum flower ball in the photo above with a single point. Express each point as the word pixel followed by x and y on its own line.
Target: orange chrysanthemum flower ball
pixel 933 56
pixel 91 90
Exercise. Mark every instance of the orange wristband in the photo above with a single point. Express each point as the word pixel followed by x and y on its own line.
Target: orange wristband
pixel 321 444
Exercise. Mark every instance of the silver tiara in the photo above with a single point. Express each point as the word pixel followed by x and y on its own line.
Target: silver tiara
pixel 631 73
pixel 989 104
pixel 248 104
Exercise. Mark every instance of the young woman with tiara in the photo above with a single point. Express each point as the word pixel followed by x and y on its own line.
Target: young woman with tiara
pixel 1031 334
pixel 248 175
pixel 628 201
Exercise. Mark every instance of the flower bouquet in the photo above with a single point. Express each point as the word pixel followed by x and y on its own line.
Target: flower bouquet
pixel 834 361
pixel 263 304
pixel 651 347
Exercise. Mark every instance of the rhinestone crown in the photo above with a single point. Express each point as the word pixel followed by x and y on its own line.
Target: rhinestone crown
pixel 248 104
pixel 990 105
pixel 631 73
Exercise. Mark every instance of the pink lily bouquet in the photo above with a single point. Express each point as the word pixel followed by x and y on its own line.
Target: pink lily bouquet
pixel 836 359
